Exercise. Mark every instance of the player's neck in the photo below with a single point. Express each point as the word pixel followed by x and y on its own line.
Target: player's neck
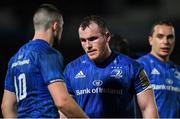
pixel 108 53
pixel 43 36
pixel 105 55
pixel 161 58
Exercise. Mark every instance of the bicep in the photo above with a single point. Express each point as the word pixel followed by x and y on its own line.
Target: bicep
pixel 145 97
pixel 147 103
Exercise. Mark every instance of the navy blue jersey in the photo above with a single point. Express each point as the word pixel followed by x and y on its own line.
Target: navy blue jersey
pixel 165 79
pixel 106 89
pixel 30 71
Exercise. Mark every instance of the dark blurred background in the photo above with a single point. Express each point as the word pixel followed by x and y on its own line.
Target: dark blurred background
pixel 130 18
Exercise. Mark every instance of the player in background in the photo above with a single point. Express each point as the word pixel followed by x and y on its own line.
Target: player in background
pixel 164 74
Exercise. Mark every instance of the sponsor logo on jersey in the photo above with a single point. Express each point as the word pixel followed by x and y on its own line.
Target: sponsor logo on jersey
pixel 83 62
pixel 169 81
pixel 98 90
pixel 116 72
pixel 155 71
pixel 177 74
pixel 20 57
pixel 165 87
pixel 20 63
pixel 97 82
pixel 80 75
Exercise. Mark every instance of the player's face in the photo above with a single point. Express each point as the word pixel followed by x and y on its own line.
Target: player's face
pixel 94 43
pixel 162 41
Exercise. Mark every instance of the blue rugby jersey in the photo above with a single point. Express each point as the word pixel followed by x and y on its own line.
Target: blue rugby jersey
pixel 165 80
pixel 106 89
pixel 30 71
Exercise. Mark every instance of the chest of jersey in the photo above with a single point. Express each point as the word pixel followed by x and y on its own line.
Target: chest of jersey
pixel 163 77
pixel 109 80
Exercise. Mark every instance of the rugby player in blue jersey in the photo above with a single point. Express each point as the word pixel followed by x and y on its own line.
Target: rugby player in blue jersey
pixel 164 74
pixel 104 82
pixel 34 84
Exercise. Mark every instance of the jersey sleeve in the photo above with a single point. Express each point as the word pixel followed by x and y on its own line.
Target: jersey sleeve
pixel 51 66
pixel 9 79
pixel 146 64
pixel 67 77
pixel 141 82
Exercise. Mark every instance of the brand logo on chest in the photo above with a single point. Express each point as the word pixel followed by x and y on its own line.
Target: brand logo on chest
pixel 97 82
pixel 80 75
pixel 116 72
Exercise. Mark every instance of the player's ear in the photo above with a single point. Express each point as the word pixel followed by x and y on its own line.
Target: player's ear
pixel 55 26
pixel 108 36
pixel 150 40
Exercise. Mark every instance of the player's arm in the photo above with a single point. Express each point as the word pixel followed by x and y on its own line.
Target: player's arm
pixel 8 105
pixel 64 102
pixel 62 116
pixel 147 104
pixel 145 95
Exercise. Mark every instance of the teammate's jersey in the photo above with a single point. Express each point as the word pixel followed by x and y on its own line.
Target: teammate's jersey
pixel 165 79
pixel 106 89
pixel 30 71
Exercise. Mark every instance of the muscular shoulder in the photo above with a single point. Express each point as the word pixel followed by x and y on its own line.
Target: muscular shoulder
pixel 78 61
pixel 43 48
pixel 123 59
pixel 144 59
